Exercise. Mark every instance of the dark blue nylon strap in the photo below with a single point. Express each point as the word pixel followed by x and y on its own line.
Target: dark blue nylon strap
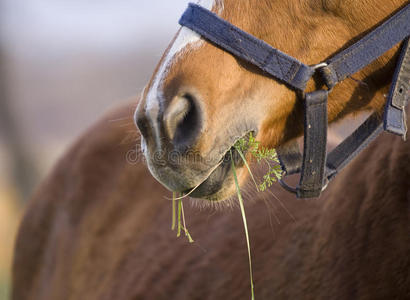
pixel 314 149
pixel 243 45
pixel 370 47
pixel 353 145
pixel 395 115
pixel 338 158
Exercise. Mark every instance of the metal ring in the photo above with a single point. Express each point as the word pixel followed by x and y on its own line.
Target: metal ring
pixel 286 186
pixel 318 66
pixel 326 184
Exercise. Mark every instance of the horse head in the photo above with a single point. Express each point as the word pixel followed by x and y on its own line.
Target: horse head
pixel 201 99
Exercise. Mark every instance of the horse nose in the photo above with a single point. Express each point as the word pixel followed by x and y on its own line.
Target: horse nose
pixel 142 122
pixel 182 121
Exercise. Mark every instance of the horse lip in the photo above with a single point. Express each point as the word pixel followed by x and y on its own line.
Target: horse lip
pixel 225 162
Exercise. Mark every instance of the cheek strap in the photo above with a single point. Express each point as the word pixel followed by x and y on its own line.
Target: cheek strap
pixel 395 114
pixel 314 175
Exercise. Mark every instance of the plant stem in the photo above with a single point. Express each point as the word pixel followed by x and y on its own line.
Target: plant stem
pixel 184 225
pixel 179 217
pixel 247 166
pixel 173 210
pixel 244 223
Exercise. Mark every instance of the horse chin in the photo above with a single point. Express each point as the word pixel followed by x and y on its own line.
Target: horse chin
pixel 220 184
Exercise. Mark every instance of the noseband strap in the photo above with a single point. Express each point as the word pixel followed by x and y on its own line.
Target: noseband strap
pixel 317 168
pixel 243 45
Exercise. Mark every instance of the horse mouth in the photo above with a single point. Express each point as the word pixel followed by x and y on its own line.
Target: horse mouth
pixel 212 187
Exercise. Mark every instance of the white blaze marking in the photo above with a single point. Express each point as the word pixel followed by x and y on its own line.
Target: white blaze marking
pixel 185 38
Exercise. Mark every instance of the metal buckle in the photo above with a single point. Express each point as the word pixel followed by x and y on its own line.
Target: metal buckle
pixel 294 190
pixel 325 79
pixel 318 66
pixel 285 185
pixel 326 184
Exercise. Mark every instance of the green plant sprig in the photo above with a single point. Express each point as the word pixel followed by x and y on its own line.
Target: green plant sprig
pixel 269 156
pixel 245 225
pixel 179 222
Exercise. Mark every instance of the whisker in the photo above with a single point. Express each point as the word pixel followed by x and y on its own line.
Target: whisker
pixel 284 207
pixel 272 207
pixel 119 119
pixel 125 124
pixel 270 215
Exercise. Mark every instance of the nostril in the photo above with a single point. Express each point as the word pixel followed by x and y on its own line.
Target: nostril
pixel 142 123
pixel 182 120
pixel 175 114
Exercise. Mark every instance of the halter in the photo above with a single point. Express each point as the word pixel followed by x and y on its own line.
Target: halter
pixel 317 168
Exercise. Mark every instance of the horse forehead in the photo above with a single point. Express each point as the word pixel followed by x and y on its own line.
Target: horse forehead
pixel 186 40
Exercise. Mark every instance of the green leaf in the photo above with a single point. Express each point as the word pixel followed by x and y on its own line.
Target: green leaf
pixel 267 155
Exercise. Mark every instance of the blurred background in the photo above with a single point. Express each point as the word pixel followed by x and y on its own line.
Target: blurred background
pixel 63 63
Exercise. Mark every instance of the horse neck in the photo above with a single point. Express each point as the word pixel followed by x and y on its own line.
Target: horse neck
pixel 368 205
pixel 373 193
pixel 365 90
